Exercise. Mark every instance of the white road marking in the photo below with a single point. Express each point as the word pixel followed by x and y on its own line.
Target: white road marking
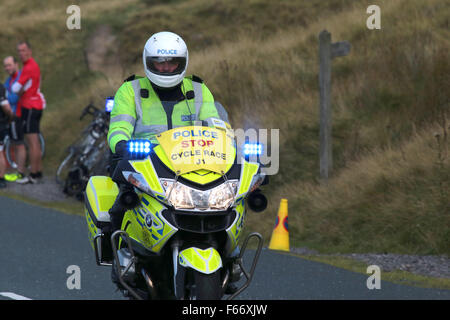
pixel 13 296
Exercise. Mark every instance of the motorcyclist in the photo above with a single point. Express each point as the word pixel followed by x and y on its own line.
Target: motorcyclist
pixel 164 99
pixel 137 111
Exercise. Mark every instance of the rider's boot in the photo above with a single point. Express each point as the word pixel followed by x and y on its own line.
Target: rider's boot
pixel 118 209
pixel 116 214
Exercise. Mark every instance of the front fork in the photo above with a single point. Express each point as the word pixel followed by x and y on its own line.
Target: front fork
pixel 130 264
pixel 179 274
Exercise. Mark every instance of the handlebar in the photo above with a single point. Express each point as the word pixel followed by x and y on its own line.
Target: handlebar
pixel 90 109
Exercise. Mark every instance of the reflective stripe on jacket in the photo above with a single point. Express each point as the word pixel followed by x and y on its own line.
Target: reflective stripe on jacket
pixel 134 116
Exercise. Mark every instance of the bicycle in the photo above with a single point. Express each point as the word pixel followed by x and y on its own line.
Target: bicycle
pixel 88 156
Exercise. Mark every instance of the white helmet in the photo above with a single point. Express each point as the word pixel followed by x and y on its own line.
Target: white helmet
pixel 165 48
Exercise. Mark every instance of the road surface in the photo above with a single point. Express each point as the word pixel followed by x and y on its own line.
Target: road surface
pixel 38 245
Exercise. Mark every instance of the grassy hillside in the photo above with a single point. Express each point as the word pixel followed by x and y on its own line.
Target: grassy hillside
pixel 390 186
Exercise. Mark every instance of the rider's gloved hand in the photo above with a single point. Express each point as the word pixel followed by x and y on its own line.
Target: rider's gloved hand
pixel 121 150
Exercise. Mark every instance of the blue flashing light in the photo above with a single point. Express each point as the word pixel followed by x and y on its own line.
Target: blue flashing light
pixel 139 147
pixel 253 149
pixel 109 104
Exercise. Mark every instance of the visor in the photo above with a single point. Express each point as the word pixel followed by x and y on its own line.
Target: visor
pixel 166 66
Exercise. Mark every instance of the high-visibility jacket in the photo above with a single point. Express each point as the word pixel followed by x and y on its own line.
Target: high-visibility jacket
pixel 139 114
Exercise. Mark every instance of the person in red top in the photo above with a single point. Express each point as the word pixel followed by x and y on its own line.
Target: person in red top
pixel 31 104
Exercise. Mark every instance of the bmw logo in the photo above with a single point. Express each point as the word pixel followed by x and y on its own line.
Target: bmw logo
pixel 148 220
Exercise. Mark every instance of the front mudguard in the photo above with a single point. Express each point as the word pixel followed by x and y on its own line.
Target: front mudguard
pixel 205 261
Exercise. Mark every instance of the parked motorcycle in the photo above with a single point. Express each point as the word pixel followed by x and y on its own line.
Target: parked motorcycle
pixel 179 238
pixel 89 154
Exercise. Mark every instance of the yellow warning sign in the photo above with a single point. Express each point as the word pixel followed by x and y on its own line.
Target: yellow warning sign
pixel 195 147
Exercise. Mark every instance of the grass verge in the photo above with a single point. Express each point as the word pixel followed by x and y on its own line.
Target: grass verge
pixel 397 276
pixel 68 206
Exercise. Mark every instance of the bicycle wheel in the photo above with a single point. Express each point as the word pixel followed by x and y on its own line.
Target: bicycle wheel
pixel 9 150
pixel 9 153
pixel 42 142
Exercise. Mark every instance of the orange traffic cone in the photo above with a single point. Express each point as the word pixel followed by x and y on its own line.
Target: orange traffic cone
pixel 280 234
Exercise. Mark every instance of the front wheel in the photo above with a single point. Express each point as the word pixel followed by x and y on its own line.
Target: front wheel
pixel 204 286
pixel 64 167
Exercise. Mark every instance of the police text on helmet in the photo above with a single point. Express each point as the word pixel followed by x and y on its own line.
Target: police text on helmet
pixel 164 51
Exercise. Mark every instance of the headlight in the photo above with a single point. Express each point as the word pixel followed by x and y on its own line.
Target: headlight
pixel 184 197
pixel 222 196
pixel 179 196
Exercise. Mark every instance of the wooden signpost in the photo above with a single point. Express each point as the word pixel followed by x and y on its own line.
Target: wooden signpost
pixel 327 51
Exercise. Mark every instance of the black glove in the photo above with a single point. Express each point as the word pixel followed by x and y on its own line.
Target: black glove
pixel 121 149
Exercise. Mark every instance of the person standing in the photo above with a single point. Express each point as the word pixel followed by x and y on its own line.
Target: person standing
pixel 32 103
pixel 15 129
pixel 5 115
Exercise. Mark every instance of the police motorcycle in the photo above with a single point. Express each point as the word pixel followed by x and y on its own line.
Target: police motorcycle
pixel 179 238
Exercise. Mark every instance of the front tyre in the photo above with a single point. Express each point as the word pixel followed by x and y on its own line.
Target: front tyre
pixel 205 286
